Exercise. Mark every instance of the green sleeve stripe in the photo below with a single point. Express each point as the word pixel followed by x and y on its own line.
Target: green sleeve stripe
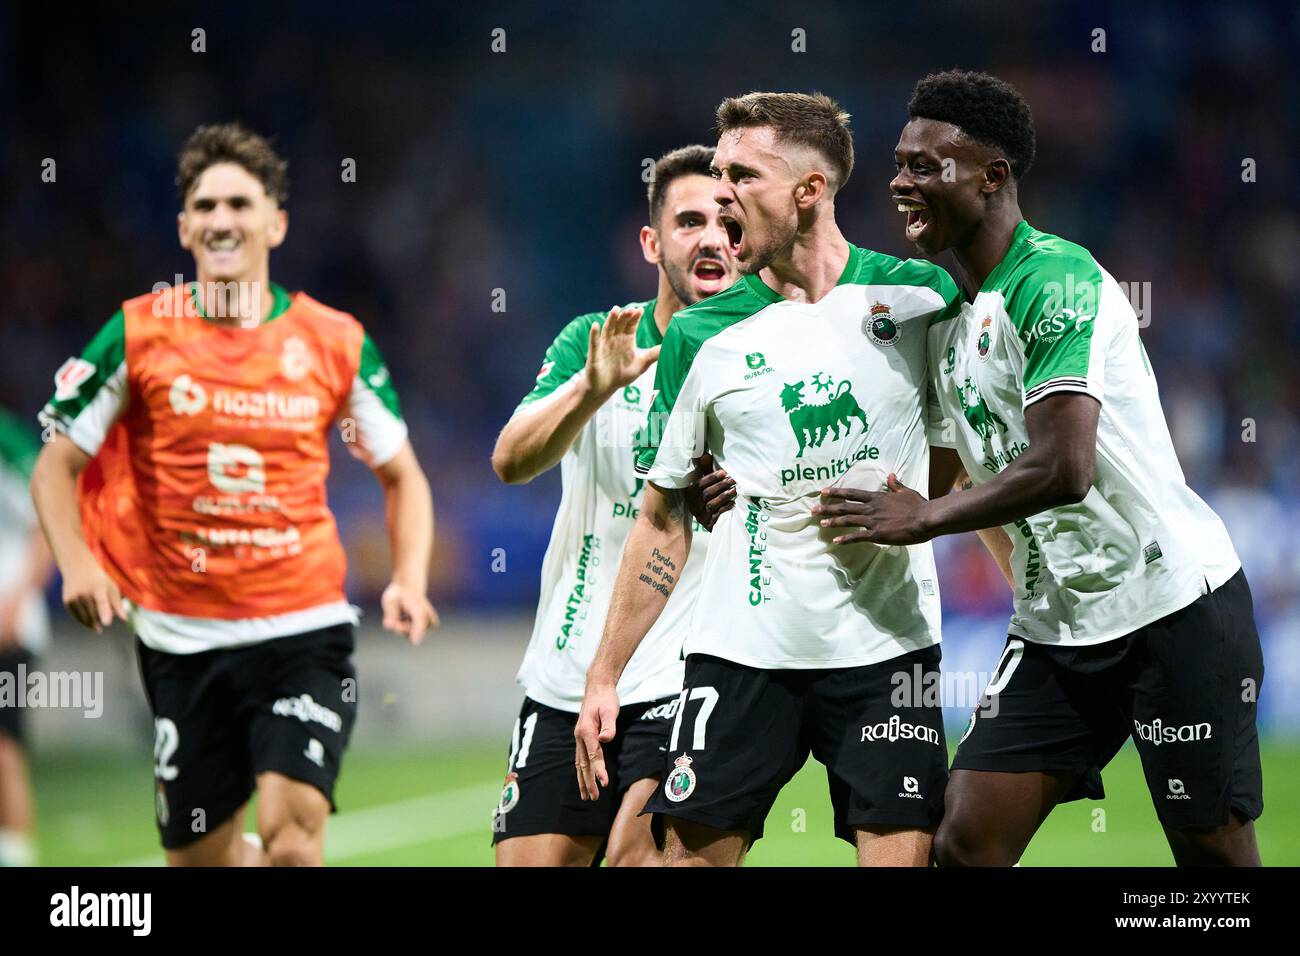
pixel 374 375
pixel 106 353
pixel 1053 304
pixel 19 445
pixel 566 357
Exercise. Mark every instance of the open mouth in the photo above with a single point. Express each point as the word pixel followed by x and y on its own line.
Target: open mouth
pixel 918 217
pixel 735 233
pixel 222 244
pixel 709 273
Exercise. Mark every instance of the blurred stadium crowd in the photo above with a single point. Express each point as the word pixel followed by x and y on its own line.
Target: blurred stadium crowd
pixel 521 170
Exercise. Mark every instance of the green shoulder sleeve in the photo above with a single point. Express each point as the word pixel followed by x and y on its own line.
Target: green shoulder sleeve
pixel 374 375
pixel 90 390
pixel 19 445
pixel 566 357
pixel 1053 303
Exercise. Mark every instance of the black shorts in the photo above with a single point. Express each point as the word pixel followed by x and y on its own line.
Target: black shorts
pixel 745 732
pixel 540 793
pixel 11 716
pixel 224 716
pixel 1184 688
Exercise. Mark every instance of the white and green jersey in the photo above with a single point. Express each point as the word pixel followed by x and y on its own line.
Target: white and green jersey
pixel 19 447
pixel 790 398
pixel 1141 545
pixel 600 501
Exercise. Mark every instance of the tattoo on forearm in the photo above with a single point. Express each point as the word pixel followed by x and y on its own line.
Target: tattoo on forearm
pixel 660 573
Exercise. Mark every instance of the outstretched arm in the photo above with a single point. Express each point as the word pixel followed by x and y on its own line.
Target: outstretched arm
pixel 653 559
pixel 538 434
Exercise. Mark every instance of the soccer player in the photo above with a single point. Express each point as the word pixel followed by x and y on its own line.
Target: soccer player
pixel 1132 615
pixel 204 411
pixel 592 394
pixel 794 641
pixel 25 568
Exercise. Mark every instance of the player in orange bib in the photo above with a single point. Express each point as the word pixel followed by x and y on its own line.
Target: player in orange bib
pixel 183 491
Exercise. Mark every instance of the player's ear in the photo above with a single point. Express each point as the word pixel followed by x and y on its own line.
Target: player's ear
pixel 650 246
pixel 996 175
pixel 279 226
pixel 810 190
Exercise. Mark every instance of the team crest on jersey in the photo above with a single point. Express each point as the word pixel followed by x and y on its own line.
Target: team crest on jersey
pixel 880 326
pixel 985 340
pixel 187 396
pixel 632 395
pixel 295 360
pixel 509 794
pixel 71 375
pixel 680 783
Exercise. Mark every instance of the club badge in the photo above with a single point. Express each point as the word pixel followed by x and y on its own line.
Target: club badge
pixel 681 780
pixel 509 794
pixel 985 340
pixel 880 326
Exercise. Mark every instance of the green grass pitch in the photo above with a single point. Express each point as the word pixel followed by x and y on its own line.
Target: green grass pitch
pixel 433 808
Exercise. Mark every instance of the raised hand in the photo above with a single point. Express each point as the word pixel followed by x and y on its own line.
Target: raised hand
pixel 613 359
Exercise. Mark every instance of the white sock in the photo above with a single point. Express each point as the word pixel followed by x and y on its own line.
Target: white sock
pixel 16 849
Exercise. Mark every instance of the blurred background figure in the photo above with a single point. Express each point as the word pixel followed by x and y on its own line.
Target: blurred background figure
pixel 458 184
pixel 25 569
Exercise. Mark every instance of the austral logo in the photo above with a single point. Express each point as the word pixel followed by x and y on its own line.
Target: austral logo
pixel 758 365
pixel 811 422
pixel 879 325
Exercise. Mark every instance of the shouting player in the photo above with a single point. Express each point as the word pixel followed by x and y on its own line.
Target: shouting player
pixel 794 641
pixel 206 411
pixel 592 394
pixel 1132 615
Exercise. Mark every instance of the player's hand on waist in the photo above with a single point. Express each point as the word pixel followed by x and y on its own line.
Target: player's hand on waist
pixel 90 595
pixel 895 516
pixel 613 359
pixel 596 722
pixel 710 493
pixel 407 611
